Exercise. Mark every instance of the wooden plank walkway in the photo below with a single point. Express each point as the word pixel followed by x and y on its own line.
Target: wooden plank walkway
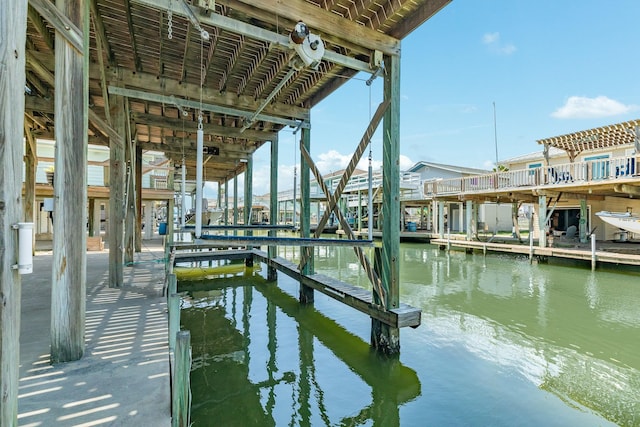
pixel 353 296
pixel 578 254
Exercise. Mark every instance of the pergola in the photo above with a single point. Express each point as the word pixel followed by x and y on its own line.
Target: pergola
pixel 609 136
pixel 147 75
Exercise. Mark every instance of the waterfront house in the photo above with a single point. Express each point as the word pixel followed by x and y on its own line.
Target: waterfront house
pixel 573 177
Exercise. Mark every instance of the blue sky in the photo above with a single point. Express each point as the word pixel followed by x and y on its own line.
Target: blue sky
pixel 551 67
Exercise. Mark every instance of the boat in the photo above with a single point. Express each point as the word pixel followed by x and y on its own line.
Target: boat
pixel 623 220
pixel 209 217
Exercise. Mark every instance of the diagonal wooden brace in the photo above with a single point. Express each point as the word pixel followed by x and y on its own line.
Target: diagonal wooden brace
pixel 362 257
pixel 357 155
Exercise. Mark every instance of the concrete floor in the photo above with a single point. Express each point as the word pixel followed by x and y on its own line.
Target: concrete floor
pixel 123 378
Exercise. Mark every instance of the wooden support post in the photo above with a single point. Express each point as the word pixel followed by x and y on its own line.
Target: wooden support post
pixel 235 203
pixel 226 203
pixel 13 31
pixel 68 284
pixel 384 337
pixel 181 393
pixel 594 258
pixel 174 310
pixel 469 219
pixel 515 209
pixel 248 201
pixel 306 292
pixel 542 221
pixel 116 194
pixel 272 273
pixel 92 214
pixel 584 214
pixel 130 208
pixel 441 226
pixel 138 200
pixel 30 165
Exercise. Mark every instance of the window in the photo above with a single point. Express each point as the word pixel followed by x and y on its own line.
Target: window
pixel 599 166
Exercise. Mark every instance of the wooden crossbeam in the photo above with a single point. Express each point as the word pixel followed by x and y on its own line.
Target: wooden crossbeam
pixel 283 241
pixel 241 227
pixel 63 25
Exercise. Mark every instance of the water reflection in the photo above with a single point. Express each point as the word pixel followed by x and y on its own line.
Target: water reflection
pixel 502 342
pixel 284 363
pixel 569 331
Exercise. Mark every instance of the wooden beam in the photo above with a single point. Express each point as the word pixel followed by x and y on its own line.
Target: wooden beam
pixel 259 33
pixel 384 337
pixel 179 124
pixel 187 103
pixel 13 31
pixel 281 22
pixel 116 195
pixel 68 286
pixel 273 205
pixel 103 77
pixel 64 26
pixel 417 18
pixel 41 28
pixel 282 241
pixel 30 166
pixel 132 36
pixel 325 21
pixel 138 175
pixel 227 151
pixel 102 41
pixel 142 80
pixel 40 104
pixel 103 126
pixel 632 190
pixel 130 208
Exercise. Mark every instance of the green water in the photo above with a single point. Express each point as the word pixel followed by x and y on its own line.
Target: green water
pixel 502 343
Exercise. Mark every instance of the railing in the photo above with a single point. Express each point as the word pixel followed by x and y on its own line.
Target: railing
pixel 601 170
pixel 410 187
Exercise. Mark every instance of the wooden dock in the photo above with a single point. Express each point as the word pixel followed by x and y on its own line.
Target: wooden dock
pixel 353 296
pixel 601 256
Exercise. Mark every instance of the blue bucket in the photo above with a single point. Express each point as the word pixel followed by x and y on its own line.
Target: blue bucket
pixel 411 226
pixel 162 228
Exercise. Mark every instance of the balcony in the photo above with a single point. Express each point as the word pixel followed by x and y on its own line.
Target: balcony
pixel 589 173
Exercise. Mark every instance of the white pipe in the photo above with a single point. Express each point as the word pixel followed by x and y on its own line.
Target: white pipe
pixel 25 247
pixel 199 165
pixel 184 194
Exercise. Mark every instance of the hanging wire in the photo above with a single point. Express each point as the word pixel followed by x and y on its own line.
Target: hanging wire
pixel 201 81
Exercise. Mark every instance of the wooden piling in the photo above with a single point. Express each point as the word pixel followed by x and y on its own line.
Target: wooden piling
pixel 13 31
pixel 272 273
pixel 593 252
pixel 174 310
pixel 116 194
pixel 181 392
pixel 68 284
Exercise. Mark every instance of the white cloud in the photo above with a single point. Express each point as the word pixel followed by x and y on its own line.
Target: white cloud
pixel 405 163
pixel 492 40
pixel 580 107
pixel 328 162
